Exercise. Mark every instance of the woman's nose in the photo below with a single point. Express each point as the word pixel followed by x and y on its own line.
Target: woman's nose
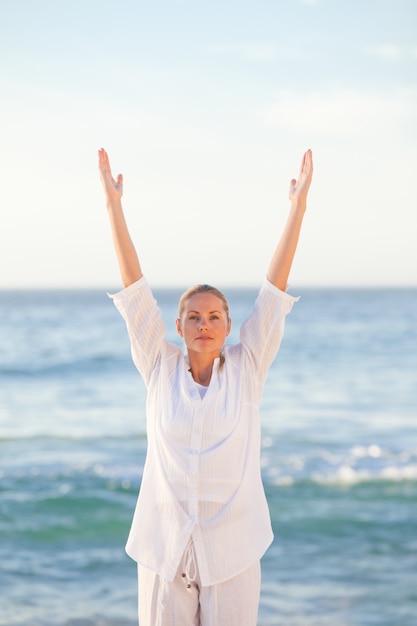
pixel 203 324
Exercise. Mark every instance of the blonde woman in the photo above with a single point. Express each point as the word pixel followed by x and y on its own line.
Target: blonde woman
pixel 201 523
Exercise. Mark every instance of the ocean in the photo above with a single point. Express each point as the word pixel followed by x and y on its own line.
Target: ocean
pixel 339 459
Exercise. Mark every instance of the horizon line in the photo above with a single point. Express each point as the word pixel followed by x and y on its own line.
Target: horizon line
pixel 156 286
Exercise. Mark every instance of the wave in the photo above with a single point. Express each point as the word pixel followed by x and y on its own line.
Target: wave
pixel 348 477
pixel 118 462
pixel 56 367
pixel 358 465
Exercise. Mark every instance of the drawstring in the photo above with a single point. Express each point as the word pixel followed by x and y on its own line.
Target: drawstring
pixel 190 568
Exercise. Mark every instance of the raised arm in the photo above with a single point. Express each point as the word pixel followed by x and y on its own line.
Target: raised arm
pixel 127 257
pixel 281 262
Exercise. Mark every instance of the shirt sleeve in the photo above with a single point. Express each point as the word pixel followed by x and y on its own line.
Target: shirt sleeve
pixel 145 326
pixel 262 332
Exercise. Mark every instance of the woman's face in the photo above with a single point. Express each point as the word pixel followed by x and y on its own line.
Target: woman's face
pixel 204 324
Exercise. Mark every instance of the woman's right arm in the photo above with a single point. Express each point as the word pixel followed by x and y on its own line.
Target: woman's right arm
pixel 127 257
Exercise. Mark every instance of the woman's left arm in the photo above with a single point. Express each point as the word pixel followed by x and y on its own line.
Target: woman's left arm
pixel 281 262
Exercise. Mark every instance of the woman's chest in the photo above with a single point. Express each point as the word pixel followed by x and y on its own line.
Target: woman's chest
pixel 187 420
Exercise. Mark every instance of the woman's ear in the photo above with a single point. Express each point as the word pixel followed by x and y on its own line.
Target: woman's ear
pixel 229 326
pixel 178 325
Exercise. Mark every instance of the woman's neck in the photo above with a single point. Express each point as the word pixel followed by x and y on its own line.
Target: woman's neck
pixel 201 368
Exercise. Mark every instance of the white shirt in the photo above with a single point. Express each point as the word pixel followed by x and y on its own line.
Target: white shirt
pixel 202 477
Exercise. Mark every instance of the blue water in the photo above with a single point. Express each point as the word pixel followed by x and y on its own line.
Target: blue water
pixel 339 459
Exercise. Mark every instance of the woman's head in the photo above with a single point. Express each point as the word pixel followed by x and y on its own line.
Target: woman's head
pixel 203 319
pixel 201 289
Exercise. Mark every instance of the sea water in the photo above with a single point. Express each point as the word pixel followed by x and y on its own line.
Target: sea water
pixel 339 459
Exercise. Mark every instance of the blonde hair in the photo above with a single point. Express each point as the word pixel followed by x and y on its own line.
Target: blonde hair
pixel 196 290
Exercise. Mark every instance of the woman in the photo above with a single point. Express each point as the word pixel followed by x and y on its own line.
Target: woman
pixel 202 524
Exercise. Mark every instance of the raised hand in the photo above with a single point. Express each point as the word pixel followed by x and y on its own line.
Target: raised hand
pixel 283 256
pixel 299 188
pixel 129 265
pixel 112 188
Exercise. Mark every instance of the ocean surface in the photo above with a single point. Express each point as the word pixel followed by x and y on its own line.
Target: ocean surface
pixel 339 459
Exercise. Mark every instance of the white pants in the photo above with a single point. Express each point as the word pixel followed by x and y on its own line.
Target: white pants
pixel 184 602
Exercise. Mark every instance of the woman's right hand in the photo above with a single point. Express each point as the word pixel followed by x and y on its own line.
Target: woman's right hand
pixel 299 188
pixel 112 188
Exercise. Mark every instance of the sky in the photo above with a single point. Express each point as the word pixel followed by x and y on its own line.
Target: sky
pixel 206 107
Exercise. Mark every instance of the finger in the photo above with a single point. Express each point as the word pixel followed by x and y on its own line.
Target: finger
pixel 307 167
pixel 309 159
pixel 306 160
pixel 107 167
pixel 103 160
